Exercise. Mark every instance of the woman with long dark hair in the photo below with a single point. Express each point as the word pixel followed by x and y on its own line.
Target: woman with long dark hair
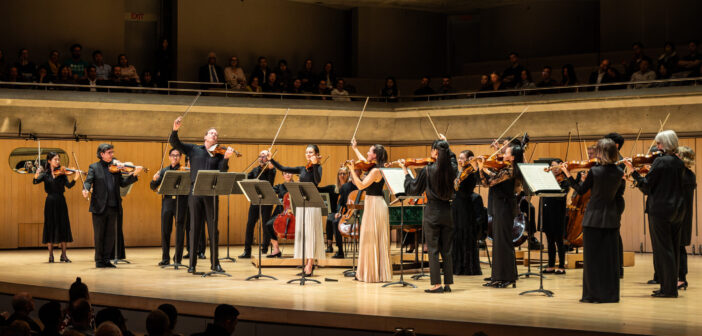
pixel 601 224
pixel 390 90
pixel 374 242
pixel 436 179
pixel 466 260
pixel 57 226
pixel 504 185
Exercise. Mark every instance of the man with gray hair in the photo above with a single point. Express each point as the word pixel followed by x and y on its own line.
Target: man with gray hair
pixel 211 72
pixel 22 305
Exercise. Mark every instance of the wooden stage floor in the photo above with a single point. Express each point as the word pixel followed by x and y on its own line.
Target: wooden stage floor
pixel 349 304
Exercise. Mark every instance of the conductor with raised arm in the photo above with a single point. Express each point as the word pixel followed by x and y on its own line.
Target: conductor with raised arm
pixel 202 157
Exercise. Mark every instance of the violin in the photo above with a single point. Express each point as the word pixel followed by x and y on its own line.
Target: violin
pixel 582 165
pixel 641 160
pixel 310 164
pixel 221 149
pixel 361 165
pixel 413 162
pixel 467 170
pixel 127 167
pixel 348 226
pixel 560 177
pixel 66 171
pixel 493 162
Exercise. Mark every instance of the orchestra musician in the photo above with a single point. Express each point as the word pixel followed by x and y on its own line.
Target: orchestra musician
pixel 466 260
pixel 553 221
pixel 202 208
pixel 264 171
pixel 344 186
pixel 619 141
pixel 374 263
pixel 436 179
pixel 269 235
pixel 57 225
pixel 314 235
pixel 601 224
pixel 687 155
pixel 106 201
pixel 666 210
pixel 169 206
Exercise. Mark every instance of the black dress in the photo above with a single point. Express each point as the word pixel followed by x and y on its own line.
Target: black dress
pixel 57 226
pixel 466 260
pixel 503 209
pixel 601 224
pixel 689 185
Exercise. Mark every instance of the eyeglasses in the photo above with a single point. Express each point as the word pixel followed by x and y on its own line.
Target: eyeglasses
pixel 174 155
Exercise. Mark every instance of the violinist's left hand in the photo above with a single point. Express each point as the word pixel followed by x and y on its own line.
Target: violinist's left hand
pixel 481 162
pixel 628 164
pixel 138 170
pixel 442 137
pixel 229 152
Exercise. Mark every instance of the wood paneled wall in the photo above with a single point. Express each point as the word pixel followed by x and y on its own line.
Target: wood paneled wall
pixel 21 203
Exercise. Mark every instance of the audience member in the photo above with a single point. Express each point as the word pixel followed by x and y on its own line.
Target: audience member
pixel 321 90
pixel 495 82
pixel 284 74
pixel 26 68
pixel 339 92
pixel 128 71
pixel 296 88
pixel 108 329
pixel 328 75
pixel 669 57
pixel 53 64
pixel 115 316
pixel 157 324
pixel 568 75
pixel 164 63
pixel 511 75
pixel 484 83
pixel 50 315
pixel 78 290
pixel 633 65
pixel 43 75
pixel 18 328
pixel 211 72
pixel 600 75
pixel 225 320
pixel 65 77
pixel 546 80
pixel 525 81
pixel 261 70
pixel 662 74
pixel 272 84
pixel 613 76
pixel 390 90
pixel 172 314
pixel 644 74
pixel 424 88
pixel 102 70
pixel 81 318
pixel 688 63
pixel 234 75
pixel 22 305
pixel 446 85
pixel 254 85
pixel 76 64
pixel 91 79
pixel 147 81
pixel 307 76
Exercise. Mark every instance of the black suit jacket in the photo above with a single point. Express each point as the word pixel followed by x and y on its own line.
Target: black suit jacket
pixel 96 180
pixel 664 186
pixel 603 211
pixel 204 73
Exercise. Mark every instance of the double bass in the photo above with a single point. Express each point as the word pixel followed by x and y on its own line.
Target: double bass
pixel 284 224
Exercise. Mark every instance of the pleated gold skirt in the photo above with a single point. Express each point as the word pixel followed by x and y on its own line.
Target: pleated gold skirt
pixel 374 243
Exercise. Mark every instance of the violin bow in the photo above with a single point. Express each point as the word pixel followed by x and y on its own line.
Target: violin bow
pixel 565 158
pixel 532 152
pixel 279 128
pixel 79 174
pixel 503 146
pixel 359 118
pixel 577 130
pixel 165 151
pixel 250 164
pixel 659 130
pixel 513 122
pixel 438 136
pixel 633 148
pixel 266 166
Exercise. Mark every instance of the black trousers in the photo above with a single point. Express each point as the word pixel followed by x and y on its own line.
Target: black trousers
pixel 665 241
pixel 203 209
pixel 104 225
pixel 169 206
pixel 682 269
pixel 555 243
pixel 269 232
pixel 200 238
pixel 251 223
pixel 438 232
pixel 333 231
pixel 503 259
pixel 600 265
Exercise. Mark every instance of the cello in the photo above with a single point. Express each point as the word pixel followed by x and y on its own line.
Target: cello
pixel 284 224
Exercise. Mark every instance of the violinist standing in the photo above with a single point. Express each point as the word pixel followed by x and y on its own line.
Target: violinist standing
pixel 202 208
pixel 466 209
pixel 553 221
pixel 57 226
pixel 169 206
pixel 687 155
pixel 106 201
pixel 504 184
pixel 619 141
pixel 666 210
pixel 264 171
pixel 601 224
pixel 374 237
pixel 314 232
pixel 436 179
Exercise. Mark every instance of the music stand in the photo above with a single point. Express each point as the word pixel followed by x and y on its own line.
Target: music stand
pixel 307 195
pixel 123 192
pixel 530 235
pixel 175 183
pixel 543 184
pixel 213 183
pixel 236 190
pixel 394 178
pixel 355 227
pixel 259 193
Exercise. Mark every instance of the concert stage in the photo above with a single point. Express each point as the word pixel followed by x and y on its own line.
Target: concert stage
pixel 348 304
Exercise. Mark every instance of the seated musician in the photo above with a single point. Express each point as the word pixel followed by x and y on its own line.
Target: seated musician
pixel 269 234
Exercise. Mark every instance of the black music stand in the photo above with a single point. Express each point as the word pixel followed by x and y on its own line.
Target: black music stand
pixel 394 179
pixel 235 191
pixel 175 183
pixel 307 195
pixel 540 183
pixel 530 235
pixel 259 193
pixel 358 206
pixel 212 183
pixel 123 192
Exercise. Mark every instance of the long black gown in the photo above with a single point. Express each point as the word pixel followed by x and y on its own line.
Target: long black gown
pixel 689 185
pixel 57 226
pixel 503 210
pixel 466 260
pixel 553 225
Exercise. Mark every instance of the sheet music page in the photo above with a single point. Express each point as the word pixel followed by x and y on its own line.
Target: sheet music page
pixel 395 179
pixel 537 179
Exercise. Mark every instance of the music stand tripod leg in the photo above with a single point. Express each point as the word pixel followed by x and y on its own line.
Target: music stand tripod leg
pixel 402 230
pixel 260 246
pixel 303 279
pixel 530 235
pixel 228 244
pixel 541 259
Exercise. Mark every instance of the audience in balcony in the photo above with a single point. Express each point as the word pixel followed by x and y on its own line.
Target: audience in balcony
pixel 546 80
pixel 147 81
pixel 76 63
pixel 91 79
pixel 261 70
pixel 26 68
pixel 613 76
pixel 390 91
pixel 307 76
pixel 525 81
pixel 511 75
pixel 321 89
pixel 690 63
pixel 65 77
pixel 445 86
pixel 644 74
pixel 285 76
pixel 129 72
pixel 484 83
pixel 211 72
pixel 339 91
pixel 164 63
pixel 234 75
pixel 296 87
pixel 669 58
pixel 327 74
pixel 273 84
pixel 633 65
pixel 254 85
pixel 423 89
pixel 52 65
pixel 599 76
pixel 43 76
pixel 102 69
pixel 568 75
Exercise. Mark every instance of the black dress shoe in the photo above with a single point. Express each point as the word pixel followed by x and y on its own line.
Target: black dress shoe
pixel 505 284
pixel 547 271
pixel 653 282
pixel 201 255
pixel 487 279
pixel 186 256
pixel 164 262
pixel 109 265
pixel 65 259
pixel 191 270
pixel 587 301
pixel 51 258
pixel 245 255
pixel 491 284
pixel 217 268
pixel 329 249
pixel 683 285
pixel 277 255
pixel 447 289
pixel 663 295
pixel 338 255
pixel 435 290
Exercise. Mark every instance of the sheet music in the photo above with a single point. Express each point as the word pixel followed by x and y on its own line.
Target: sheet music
pixel 395 179
pixel 537 178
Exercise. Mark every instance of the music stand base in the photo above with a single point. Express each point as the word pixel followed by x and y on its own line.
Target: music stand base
pixel 349 273
pixel 419 276
pixel 215 273
pixel 258 276
pixel 303 280
pixel 401 282
pixel 540 290
pixel 527 274
pixel 174 265
pixel 228 258
pixel 117 261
